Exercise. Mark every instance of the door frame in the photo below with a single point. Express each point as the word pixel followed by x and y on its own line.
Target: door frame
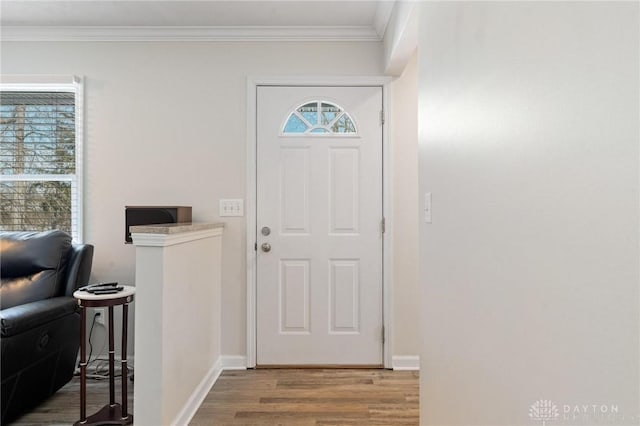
pixel 250 202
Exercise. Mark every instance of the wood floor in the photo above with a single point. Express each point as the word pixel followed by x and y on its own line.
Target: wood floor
pixel 311 397
pixel 271 397
pixel 63 407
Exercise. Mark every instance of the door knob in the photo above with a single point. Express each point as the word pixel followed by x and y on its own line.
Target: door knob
pixel 266 247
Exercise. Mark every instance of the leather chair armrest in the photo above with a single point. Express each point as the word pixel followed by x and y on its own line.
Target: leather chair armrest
pixel 18 319
pixel 79 267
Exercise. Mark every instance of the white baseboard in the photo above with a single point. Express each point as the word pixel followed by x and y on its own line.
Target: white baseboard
pixel 405 362
pixel 234 362
pixel 198 395
pixel 224 362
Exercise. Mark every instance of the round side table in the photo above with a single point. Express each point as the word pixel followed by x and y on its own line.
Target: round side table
pixel 112 413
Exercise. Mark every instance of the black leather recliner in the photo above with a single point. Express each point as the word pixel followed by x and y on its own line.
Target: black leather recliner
pixel 39 271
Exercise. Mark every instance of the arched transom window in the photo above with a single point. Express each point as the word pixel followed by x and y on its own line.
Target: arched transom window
pixel 319 117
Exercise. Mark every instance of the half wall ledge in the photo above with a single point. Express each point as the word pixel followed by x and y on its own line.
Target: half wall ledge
pixel 177 319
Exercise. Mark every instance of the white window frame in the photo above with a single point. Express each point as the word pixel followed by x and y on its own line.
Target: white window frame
pixel 307 133
pixel 74 85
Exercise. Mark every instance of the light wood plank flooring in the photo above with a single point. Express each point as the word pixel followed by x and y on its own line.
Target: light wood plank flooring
pixel 305 397
pixel 300 397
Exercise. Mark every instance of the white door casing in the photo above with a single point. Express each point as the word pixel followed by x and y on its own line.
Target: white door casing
pixel 319 290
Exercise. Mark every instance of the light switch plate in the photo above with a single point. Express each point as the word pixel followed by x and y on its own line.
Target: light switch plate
pixel 427 207
pixel 231 207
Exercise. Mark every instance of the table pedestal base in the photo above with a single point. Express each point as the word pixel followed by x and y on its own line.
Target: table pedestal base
pixel 108 415
pixel 113 413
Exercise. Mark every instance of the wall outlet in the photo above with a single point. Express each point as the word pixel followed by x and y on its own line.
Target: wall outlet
pixel 102 315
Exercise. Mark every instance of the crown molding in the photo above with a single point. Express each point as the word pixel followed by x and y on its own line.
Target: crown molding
pixel 228 34
pixel 383 14
pixel 401 38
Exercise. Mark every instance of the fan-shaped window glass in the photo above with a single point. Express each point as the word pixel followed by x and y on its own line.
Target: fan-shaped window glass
pixel 319 117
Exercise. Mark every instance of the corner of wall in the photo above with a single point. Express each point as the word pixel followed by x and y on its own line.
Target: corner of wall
pixel 401 37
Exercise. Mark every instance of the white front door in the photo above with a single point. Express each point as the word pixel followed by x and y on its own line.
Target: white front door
pixel 319 233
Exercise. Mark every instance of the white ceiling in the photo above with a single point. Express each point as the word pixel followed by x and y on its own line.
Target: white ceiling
pixel 361 15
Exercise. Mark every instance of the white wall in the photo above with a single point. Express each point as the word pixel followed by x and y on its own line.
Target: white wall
pixel 178 329
pixel 406 301
pixel 166 124
pixel 529 143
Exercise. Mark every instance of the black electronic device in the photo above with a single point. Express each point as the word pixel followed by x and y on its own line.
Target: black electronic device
pixel 105 290
pixel 154 215
pixel 98 285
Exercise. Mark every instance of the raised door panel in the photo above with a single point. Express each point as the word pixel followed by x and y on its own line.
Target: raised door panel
pixel 344 196
pixel 294 296
pixel 344 309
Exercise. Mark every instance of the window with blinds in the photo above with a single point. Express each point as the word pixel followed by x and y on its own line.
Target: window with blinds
pixel 38 161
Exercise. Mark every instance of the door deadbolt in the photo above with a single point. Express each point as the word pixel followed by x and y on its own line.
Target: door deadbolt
pixel 265 231
pixel 266 247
